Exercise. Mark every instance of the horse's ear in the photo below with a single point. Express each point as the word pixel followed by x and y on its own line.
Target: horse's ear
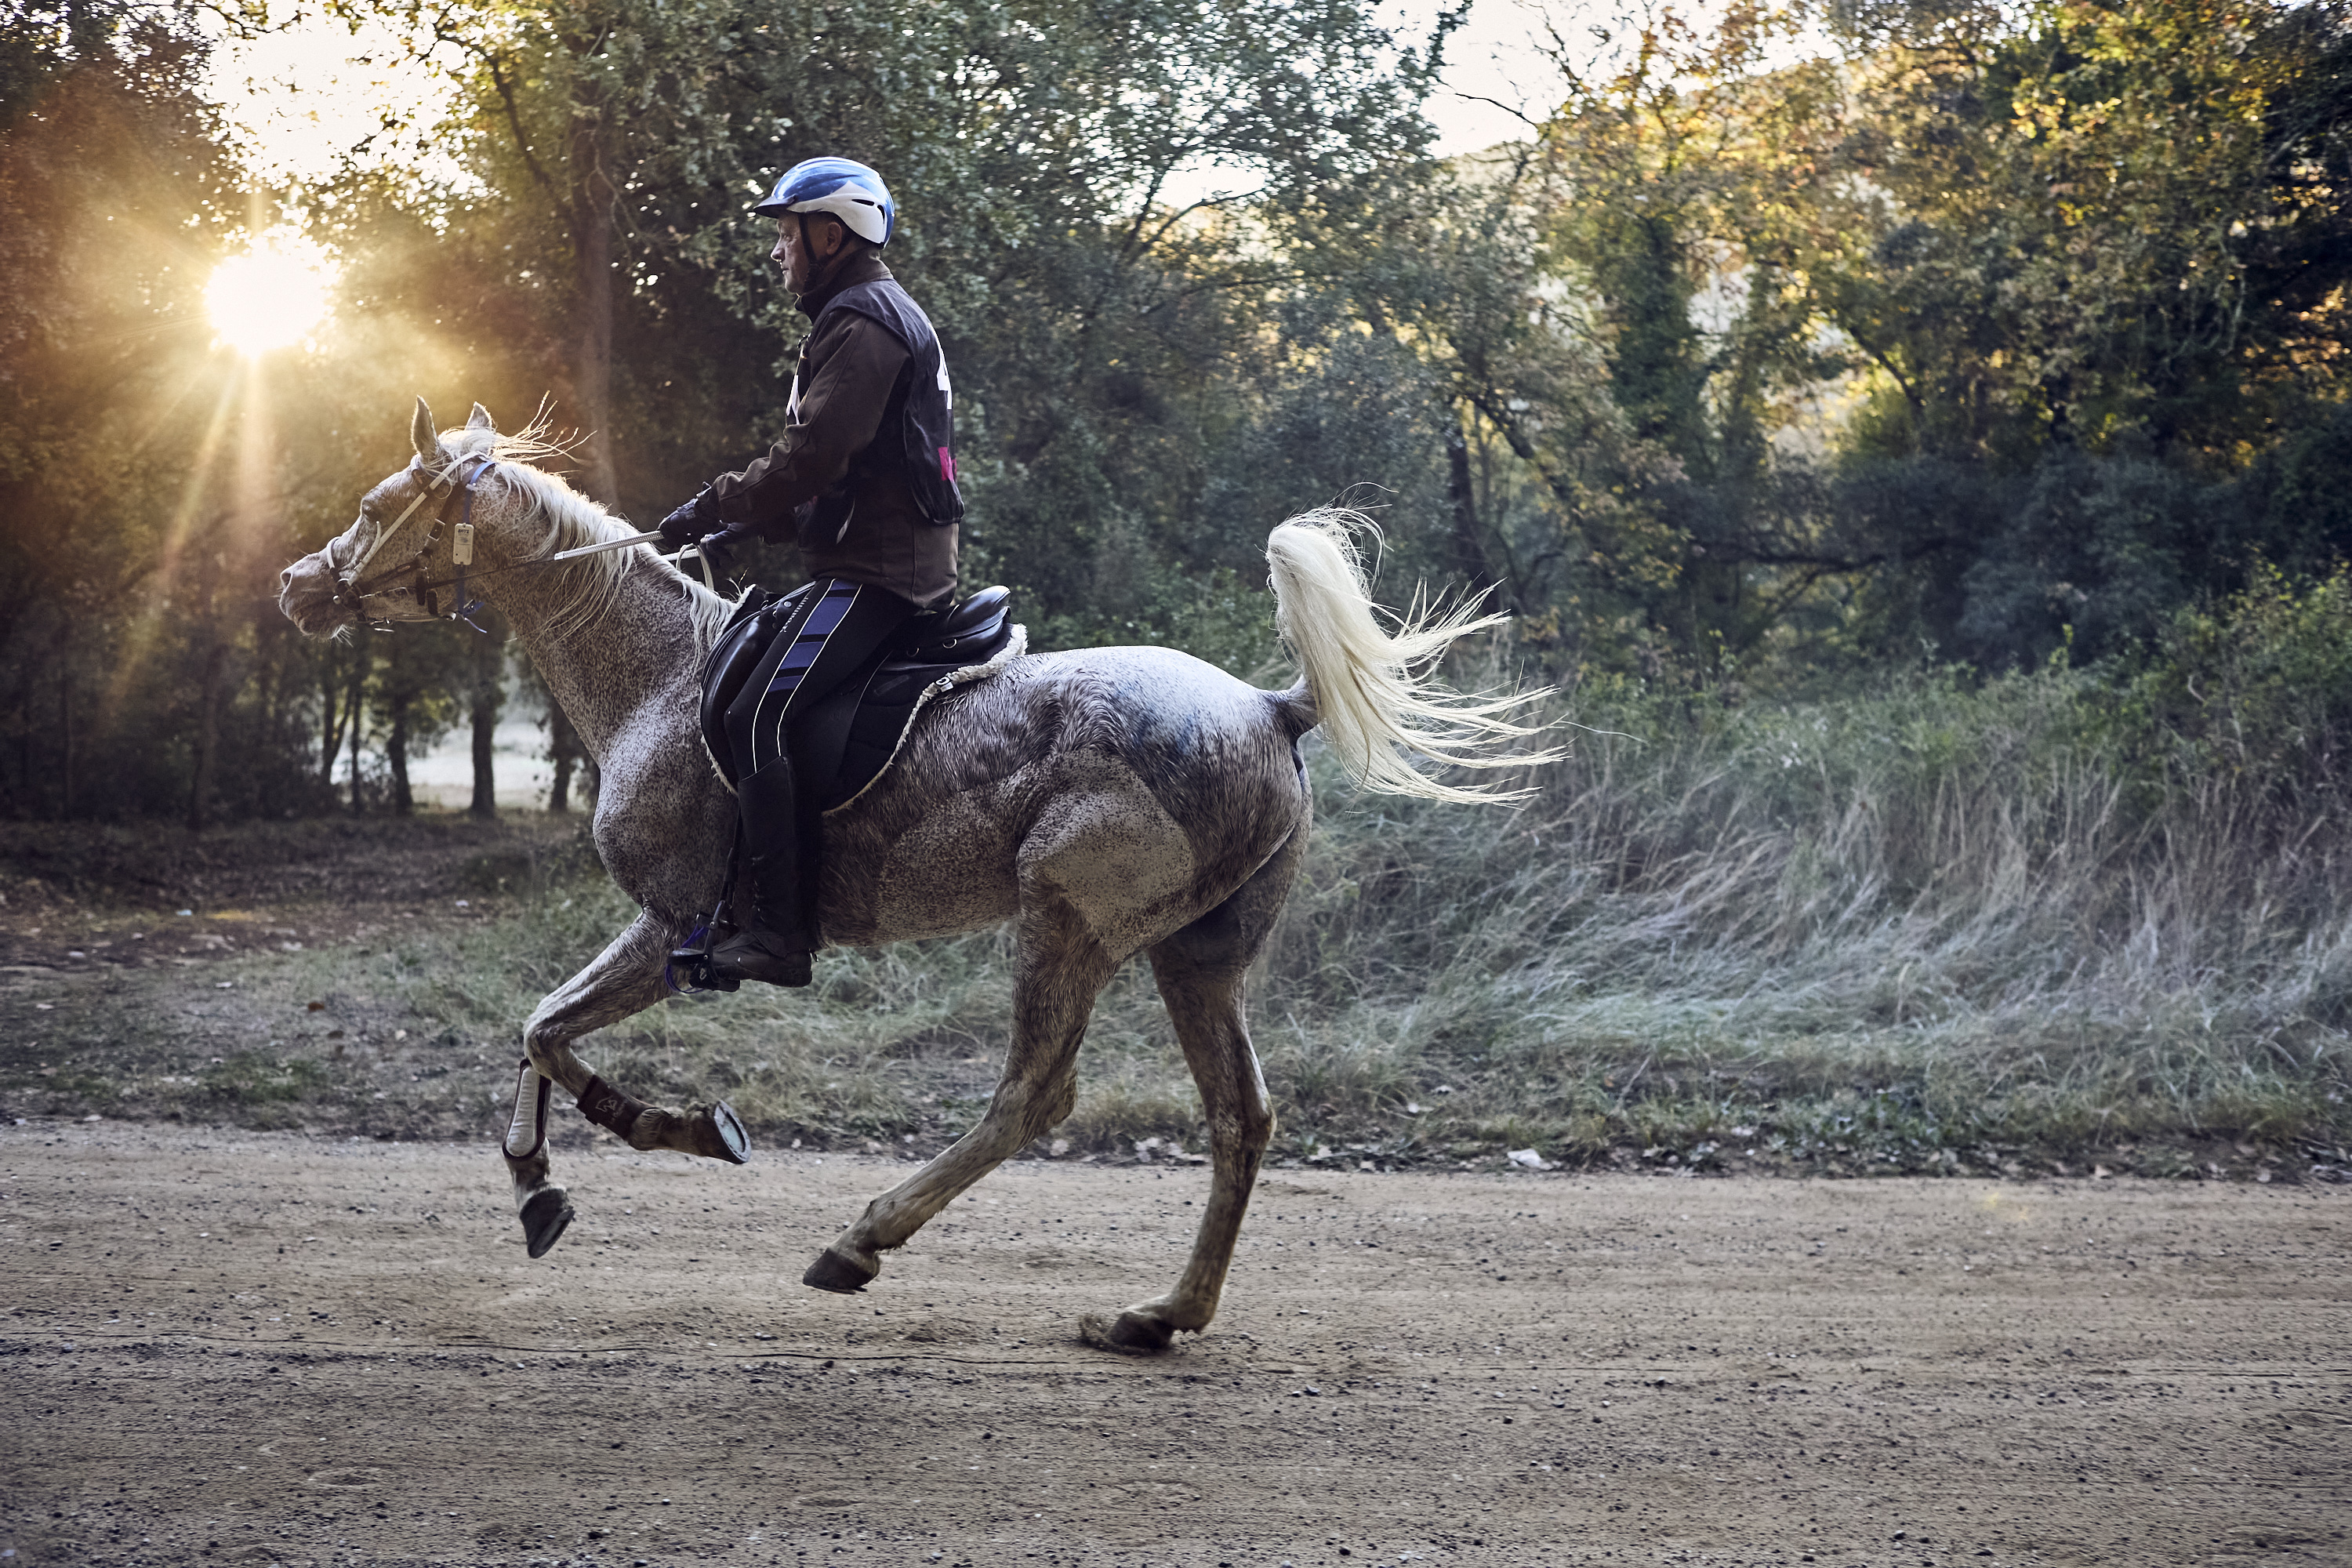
pixel 421 436
pixel 480 419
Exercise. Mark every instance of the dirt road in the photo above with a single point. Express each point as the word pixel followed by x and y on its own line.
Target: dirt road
pixel 241 1348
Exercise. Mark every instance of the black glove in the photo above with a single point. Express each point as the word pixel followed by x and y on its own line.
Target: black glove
pixel 690 523
pixel 719 548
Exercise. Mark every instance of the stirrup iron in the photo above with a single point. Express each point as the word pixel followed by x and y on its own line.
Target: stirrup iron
pixel 688 968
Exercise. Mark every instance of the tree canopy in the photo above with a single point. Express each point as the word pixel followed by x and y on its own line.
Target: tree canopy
pixel 1782 344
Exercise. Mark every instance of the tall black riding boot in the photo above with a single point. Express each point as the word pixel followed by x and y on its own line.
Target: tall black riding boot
pixel 776 946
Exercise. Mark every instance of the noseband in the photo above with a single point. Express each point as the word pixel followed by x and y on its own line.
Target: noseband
pixel 354 590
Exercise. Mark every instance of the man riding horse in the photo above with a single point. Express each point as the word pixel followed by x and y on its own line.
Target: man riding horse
pixel 864 483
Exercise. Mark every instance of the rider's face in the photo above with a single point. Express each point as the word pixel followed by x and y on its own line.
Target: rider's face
pixel 801 254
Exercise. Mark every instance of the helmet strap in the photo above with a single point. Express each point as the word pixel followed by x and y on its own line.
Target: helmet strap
pixel 822 266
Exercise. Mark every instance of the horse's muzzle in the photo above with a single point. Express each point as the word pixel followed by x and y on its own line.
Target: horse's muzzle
pixel 305 593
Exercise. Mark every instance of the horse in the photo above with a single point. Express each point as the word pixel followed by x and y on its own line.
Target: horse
pixel 1108 801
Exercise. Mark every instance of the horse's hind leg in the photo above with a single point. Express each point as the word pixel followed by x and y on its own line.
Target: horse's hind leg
pixel 1062 970
pixel 625 979
pixel 1201 971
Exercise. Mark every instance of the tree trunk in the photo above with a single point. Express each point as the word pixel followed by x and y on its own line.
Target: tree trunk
pixel 395 754
pixel 351 710
pixel 592 248
pixel 208 706
pixel 66 734
pixel 563 749
pixel 330 726
pixel 485 725
pixel 487 695
pixel 1469 552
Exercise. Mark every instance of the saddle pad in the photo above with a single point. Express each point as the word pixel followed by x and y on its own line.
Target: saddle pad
pixel 891 703
pixel 847 737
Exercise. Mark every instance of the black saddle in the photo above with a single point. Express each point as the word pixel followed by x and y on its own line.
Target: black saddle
pixel 848 735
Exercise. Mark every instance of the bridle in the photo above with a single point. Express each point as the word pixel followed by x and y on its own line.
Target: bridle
pixel 353 588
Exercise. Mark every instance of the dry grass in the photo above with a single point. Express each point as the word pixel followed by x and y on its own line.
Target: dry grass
pixel 1938 927
pixel 1920 930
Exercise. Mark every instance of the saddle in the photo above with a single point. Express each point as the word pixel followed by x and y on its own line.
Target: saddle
pixel 846 740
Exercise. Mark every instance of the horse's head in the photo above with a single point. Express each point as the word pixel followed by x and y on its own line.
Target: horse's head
pixel 397 559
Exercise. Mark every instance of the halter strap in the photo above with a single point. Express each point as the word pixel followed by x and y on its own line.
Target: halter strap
pixel 462 549
pixel 435 485
pixel 352 590
pixel 357 589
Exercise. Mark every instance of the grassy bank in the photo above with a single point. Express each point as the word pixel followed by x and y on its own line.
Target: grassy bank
pixel 1943 927
pixel 2066 920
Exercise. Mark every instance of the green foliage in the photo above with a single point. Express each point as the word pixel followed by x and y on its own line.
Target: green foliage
pixel 1759 386
pixel 2253 697
pixel 1993 332
pixel 1977 334
pixel 2104 219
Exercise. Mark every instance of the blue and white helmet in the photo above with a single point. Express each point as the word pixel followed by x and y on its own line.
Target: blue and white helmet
pixel 841 187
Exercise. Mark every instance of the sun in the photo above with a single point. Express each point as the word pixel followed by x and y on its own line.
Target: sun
pixel 271 297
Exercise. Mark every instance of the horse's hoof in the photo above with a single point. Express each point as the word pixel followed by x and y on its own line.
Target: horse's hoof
pixel 543 1219
pixel 717 1133
pixel 1128 1335
pixel 832 1272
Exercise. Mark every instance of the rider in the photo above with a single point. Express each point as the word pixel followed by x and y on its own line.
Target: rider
pixel 864 483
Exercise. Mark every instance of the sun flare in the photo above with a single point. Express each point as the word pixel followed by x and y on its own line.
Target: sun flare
pixel 271 297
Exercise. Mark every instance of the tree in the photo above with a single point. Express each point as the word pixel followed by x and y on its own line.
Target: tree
pixel 2108 220
pixel 484 691
pixel 2111 271
pixel 123 531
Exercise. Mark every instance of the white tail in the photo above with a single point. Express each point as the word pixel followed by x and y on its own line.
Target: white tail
pixel 1368 687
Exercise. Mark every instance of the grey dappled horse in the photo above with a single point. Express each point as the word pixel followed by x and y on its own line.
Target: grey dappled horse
pixel 1111 801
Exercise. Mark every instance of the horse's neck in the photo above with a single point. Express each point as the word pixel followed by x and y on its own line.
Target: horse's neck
pixel 603 671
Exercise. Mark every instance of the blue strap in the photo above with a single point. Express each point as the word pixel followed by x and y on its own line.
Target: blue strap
pixel 465 610
pixel 669 965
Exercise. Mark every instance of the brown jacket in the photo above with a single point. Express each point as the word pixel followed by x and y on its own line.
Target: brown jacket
pixel 857 522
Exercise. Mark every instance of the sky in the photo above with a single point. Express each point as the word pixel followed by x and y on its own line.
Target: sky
pixel 301 96
pixel 298 98
pixel 1490 62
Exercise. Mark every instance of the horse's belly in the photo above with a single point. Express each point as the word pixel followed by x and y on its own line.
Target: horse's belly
pixel 950 871
pixel 1079 830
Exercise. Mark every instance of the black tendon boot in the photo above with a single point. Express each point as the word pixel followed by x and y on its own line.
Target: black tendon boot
pixel 776 946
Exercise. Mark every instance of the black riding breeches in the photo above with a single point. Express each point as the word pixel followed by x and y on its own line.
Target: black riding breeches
pixel 834 628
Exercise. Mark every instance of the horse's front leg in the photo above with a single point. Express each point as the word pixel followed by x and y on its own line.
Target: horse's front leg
pixel 625 979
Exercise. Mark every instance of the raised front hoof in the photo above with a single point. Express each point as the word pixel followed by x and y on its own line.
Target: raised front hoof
pixel 842 1276
pixel 543 1219
pixel 717 1134
pixel 1127 1334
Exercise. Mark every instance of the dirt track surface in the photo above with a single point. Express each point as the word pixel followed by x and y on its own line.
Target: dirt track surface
pixel 241 1348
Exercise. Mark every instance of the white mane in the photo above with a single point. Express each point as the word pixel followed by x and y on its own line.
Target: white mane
pixel 592 584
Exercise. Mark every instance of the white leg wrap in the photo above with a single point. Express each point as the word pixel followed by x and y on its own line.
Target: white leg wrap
pixel 527 1128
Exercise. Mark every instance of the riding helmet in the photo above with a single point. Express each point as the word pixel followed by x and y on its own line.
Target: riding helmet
pixel 847 190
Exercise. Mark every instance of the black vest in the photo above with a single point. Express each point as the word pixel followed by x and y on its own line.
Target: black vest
pixel 917 431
